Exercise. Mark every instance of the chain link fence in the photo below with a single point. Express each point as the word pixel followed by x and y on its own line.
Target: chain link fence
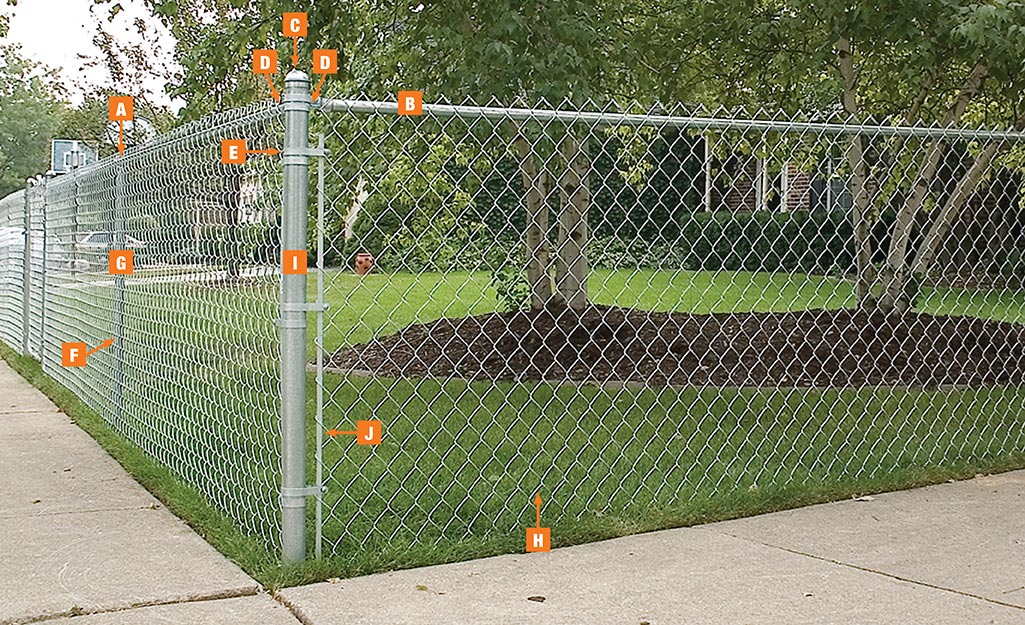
pixel 12 259
pixel 646 316
pixel 192 375
pixel 649 318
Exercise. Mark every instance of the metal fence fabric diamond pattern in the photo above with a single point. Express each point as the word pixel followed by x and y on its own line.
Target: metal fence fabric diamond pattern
pixel 647 318
pixel 191 377
pixel 642 315
pixel 12 259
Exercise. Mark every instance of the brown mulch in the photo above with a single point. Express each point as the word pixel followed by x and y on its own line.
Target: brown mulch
pixel 837 348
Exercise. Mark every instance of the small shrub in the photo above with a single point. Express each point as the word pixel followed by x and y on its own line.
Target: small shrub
pixel 509 279
pixel 1013 269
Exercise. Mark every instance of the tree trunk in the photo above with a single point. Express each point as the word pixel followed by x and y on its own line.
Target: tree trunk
pixel 859 178
pixel 707 169
pixel 896 273
pixel 571 252
pixel 535 183
pixel 964 190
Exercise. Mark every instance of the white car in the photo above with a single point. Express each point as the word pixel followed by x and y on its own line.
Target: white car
pixel 12 248
pixel 92 247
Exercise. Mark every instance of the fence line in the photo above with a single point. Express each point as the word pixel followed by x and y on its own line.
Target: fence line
pixel 608 118
pixel 192 375
pixel 637 321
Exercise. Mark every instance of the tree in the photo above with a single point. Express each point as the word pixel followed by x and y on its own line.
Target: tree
pixel 527 52
pixel 128 67
pixel 30 108
pixel 919 61
pixel 504 50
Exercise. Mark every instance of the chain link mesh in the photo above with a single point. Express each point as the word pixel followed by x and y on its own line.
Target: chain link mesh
pixel 12 286
pixel 645 318
pixel 715 350
pixel 192 375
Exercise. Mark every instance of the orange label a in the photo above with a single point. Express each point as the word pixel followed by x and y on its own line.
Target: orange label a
pixel 119 108
pixel 293 24
pixel 73 354
pixel 368 432
pixel 411 102
pixel 325 61
pixel 293 261
pixel 539 539
pixel 233 151
pixel 121 262
pixel 265 61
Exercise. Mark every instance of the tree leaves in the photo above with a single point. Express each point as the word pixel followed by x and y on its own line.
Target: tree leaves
pixel 29 113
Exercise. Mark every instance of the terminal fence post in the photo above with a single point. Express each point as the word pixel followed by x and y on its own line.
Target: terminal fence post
pixel 295 160
pixel 119 243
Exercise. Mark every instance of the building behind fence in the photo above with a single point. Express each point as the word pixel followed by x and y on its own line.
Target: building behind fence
pixel 590 305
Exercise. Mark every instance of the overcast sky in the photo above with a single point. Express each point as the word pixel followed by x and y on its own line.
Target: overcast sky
pixel 55 32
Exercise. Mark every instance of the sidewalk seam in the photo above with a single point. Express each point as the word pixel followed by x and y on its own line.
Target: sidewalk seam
pixel 295 610
pixel 874 571
pixel 10 517
pixel 226 594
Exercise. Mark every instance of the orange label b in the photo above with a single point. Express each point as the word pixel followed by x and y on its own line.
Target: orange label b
pixel 411 102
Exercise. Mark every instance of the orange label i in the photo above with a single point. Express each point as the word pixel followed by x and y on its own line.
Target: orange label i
pixel 121 262
pixel 293 261
pixel 265 61
pixel 293 24
pixel 411 102
pixel 120 108
pixel 233 151
pixel 368 432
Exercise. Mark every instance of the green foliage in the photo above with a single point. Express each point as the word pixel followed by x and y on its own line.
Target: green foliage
pixel 509 280
pixel 802 241
pixel 440 243
pixel 505 49
pixel 30 108
pixel 1013 268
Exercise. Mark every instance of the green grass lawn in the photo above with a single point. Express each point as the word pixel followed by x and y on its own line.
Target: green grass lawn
pixel 377 304
pixel 460 462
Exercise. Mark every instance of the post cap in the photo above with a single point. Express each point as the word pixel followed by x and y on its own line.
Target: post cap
pixel 297 75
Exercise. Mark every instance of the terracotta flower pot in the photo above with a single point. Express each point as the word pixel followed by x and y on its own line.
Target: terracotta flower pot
pixel 364 263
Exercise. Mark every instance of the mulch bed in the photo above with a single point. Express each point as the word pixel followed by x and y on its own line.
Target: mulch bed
pixel 837 348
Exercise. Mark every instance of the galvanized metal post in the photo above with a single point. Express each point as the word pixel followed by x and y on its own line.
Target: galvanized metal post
pixel 118 349
pixel 319 516
pixel 26 321
pixel 295 160
pixel 41 356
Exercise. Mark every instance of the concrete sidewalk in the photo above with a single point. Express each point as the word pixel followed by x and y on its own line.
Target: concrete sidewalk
pixel 79 536
pixel 953 554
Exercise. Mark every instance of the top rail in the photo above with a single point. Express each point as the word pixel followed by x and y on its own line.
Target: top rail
pixel 695 122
